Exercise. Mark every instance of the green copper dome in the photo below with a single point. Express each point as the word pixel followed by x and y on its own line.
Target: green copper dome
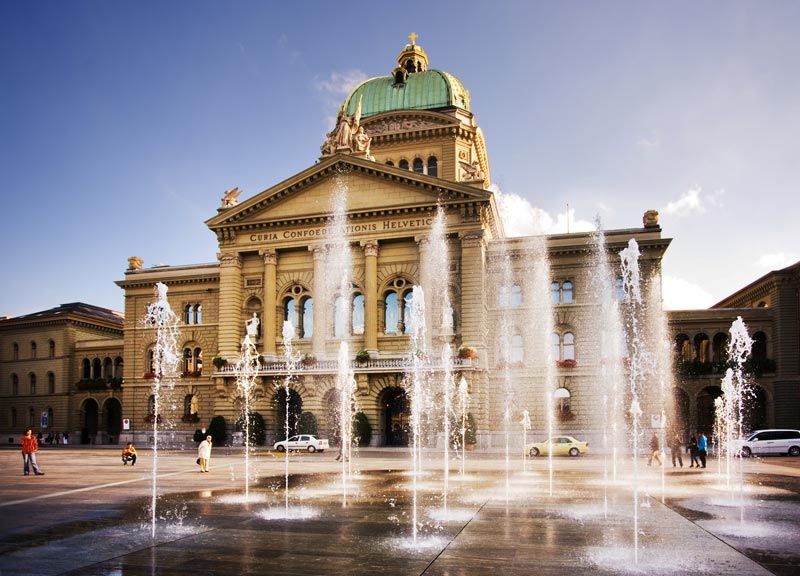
pixel 427 90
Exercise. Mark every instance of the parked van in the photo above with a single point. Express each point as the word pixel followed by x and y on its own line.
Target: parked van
pixel 772 442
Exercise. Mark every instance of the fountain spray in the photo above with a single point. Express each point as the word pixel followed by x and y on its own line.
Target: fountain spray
pixel 165 367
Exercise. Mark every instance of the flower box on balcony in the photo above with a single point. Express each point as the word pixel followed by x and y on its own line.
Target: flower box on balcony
pixel 566 363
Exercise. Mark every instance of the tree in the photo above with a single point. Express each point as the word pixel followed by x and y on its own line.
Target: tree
pixel 307 424
pixel 216 429
pixel 257 430
pixel 362 431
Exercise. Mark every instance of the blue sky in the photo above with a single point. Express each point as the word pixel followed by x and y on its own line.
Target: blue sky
pixel 124 122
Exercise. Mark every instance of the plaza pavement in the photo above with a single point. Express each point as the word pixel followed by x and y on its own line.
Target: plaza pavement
pixel 90 515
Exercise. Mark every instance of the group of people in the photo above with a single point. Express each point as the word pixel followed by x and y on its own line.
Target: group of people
pixel 54 438
pixel 697 450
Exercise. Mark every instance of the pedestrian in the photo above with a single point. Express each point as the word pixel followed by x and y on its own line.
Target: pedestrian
pixel 66 438
pixel 702 447
pixel 204 454
pixel 655 450
pixel 692 450
pixel 30 446
pixel 675 449
pixel 129 454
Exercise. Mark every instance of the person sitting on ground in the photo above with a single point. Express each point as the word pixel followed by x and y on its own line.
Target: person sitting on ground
pixel 129 455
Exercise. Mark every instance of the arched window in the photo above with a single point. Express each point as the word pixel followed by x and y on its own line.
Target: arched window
pixel 555 346
pixel 192 361
pixel 12 418
pixel 568 346
pixel 566 292
pixel 403 164
pixel 108 368
pixel 397 307
pixel 33 349
pixel 86 371
pixel 33 383
pixel 561 293
pixel 555 293
pixel 358 315
pixel 510 297
pixel 620 289
pixel 51 383
pixel 151 404
pixel 433 166
pixel 701 350
pixel 14 385
pixel 118 366
pixel 408 318
pixel 516 295
pixel 562 399
pixel 391 313
pixel 298 308
pixel 418 165
pixel 50 421
pixel 389 163
pixel 192 314
pixel 338 317
pixel 308 318
pixel 720 348
pixel 759 350
pixel 683 349
pixel 517 350
pixel 190 405
pixel 15 351
pixel 563 347
pixel 52 349
pixel 151 361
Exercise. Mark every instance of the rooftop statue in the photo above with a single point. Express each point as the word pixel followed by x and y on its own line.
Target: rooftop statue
pixel 231 197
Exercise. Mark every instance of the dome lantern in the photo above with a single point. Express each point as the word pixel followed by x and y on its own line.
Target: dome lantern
pixel 410 61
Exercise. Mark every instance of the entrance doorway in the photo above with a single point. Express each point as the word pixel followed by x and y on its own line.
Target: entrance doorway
pixel 395 416
pixel 113 410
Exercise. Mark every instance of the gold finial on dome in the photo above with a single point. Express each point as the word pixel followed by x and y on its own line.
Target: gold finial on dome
pixel 411 60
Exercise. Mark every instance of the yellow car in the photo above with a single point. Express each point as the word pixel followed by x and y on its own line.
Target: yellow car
pixel 562 446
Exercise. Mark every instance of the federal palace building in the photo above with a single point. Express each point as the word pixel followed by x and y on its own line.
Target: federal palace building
pixel 406 146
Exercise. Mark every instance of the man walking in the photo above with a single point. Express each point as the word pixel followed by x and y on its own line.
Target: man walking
pixel 702 447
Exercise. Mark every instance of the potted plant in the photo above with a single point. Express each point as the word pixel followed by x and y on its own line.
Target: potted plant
pixel 219 362
pixel 362 356
pixel 308 360
pixel 467 352
pixel 568 363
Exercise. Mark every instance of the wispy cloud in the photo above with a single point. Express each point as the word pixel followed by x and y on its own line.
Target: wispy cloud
pixel 777 260
pixel 340 83
pixel 680 294
pixel 521 218
pixel 693 201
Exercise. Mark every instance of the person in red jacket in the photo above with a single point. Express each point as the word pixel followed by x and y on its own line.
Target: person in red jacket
pixel 29 449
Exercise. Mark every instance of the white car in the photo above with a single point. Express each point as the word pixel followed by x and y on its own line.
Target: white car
pixel 302 442
pixel 770 442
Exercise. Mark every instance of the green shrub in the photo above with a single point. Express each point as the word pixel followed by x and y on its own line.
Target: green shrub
pixel 307 424
pixel 362 357
pixel 216 429
pixel 362 431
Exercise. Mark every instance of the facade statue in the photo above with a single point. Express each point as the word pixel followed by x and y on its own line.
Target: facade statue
pixel 471 171
pixel 135 263
pixel 252 326
pixel 231 198
pixel 650 219
pixel 361 141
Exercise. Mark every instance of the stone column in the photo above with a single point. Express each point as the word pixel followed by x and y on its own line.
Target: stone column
pixel 230 304
pixel 473 276
pixel 371 296
pixel 269 322
pixel 320 302
pixel 424 245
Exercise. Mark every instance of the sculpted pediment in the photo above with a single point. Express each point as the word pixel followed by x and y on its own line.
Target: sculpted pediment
pixel 372 188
